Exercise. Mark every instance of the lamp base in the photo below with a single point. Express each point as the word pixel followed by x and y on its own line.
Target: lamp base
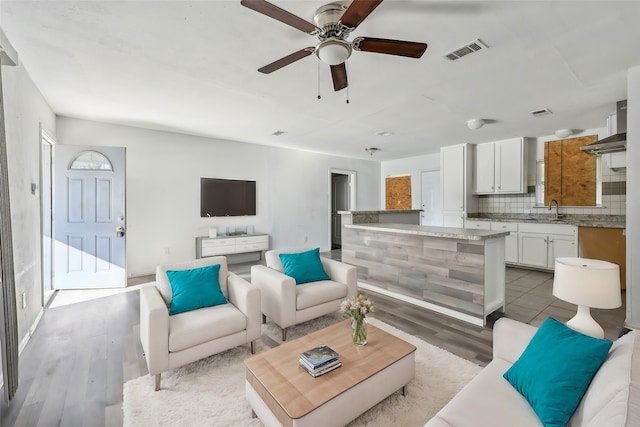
pixel 584 323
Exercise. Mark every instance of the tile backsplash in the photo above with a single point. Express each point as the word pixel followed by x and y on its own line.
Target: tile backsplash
pixel 614 200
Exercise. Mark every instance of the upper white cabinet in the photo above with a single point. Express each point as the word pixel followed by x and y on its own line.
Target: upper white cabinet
pixel 455 177
pixel 500 167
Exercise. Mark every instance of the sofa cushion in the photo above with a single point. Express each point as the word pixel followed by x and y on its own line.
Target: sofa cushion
pixel 195 288
pixel 555 370
pixel 196 327
pixel 304 267
pixel 316 293
pixel 606 399
pixel 488 400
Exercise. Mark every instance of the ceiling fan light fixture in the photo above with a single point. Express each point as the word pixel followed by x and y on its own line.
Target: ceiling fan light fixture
pixel 475 124
pixel 333 51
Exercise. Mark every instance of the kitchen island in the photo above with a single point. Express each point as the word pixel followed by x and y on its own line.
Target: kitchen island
pixel 454 271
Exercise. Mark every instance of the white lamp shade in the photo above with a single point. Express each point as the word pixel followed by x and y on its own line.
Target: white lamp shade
pixel 333 51
pixel 587 282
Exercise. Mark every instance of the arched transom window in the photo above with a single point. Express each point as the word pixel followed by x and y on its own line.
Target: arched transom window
pixel 91 160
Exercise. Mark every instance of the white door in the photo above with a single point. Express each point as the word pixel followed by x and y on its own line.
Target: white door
pixel 452 167
pixel 89 251
pixel 339 202
pixel 431 199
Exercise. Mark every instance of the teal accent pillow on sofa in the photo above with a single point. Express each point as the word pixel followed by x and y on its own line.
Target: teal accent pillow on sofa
pixel 555 369
pixel 304 266
pixel 195 288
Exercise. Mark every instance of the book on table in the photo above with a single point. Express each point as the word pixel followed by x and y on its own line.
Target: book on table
pixel 318 356
pixel 319 360
pixel 323 369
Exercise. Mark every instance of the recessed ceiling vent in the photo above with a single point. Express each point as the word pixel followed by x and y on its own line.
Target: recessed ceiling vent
pixel 541 112
pixel 474 46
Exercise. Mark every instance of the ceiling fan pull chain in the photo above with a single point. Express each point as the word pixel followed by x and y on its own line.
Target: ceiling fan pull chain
pixel 347 68
pixel 319 79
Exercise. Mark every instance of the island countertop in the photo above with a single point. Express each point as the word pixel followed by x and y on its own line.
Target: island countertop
pixel 431 231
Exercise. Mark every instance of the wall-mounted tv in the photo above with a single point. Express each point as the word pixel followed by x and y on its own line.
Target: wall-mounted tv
pixel 227 197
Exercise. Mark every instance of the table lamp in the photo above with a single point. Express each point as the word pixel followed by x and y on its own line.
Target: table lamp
pixel 589 283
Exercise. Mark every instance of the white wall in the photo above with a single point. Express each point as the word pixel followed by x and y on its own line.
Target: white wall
pixel 412 166
pixel 633 197
pixel 163 189
pixel 25 110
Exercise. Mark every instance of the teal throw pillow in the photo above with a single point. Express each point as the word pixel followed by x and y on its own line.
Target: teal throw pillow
pixel 304 266
pixel 555 369
pixel 195 288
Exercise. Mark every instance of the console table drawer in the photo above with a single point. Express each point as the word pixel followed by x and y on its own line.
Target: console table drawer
pixel 211 243
pixel 253 240
pixel 251 247
pixel 218 250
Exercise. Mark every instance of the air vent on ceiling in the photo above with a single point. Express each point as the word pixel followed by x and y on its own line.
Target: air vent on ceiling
pixel 471 47
pixel 541 112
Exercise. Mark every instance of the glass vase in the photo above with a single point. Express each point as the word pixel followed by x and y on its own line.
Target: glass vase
pixel 359 330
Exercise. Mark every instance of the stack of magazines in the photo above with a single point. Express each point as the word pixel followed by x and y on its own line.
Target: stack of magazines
pixel 319 360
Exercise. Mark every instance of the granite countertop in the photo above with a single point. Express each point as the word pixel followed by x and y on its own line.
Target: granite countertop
pixel 600 221
pixel 423 230
pixel 380 212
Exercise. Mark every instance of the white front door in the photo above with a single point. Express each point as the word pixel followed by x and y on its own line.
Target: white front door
pixel 89 250
pixel 431 200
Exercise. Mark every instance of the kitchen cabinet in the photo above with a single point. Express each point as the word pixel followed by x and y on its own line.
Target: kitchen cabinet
pixel 540 244
pixel 501 167
pixel 455 178
pixel 479 225
pixel 510 241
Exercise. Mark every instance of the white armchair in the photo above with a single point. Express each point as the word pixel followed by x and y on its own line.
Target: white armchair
pixel 173 341
pixel 288 304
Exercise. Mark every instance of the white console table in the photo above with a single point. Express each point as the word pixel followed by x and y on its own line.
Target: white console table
pixel 228 245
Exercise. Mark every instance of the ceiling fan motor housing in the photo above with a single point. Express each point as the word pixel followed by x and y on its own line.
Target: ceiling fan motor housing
pixel 327 17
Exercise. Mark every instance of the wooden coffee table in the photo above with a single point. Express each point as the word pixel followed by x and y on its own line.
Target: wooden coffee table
pixel 281 393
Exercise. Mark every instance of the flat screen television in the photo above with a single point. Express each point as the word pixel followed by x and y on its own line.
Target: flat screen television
pixel 227 197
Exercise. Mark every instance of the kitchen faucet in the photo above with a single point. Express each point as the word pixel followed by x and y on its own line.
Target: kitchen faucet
pixel 551 204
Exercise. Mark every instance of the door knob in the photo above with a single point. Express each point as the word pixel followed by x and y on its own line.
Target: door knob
pixel 120 231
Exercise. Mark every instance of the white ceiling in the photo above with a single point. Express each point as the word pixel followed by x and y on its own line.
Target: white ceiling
pixel 191 67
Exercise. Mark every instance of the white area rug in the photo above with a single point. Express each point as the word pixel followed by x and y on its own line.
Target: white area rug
pixel 210 392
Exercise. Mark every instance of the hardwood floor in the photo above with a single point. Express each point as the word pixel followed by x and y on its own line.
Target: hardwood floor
pixel 75 364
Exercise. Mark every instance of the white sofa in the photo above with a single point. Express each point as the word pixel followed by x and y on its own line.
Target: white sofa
pixel 173 341
pixel 612 399
pixel 288 304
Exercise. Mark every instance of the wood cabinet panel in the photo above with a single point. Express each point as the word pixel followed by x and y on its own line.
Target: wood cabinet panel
pixel 606 244
pixel 570 173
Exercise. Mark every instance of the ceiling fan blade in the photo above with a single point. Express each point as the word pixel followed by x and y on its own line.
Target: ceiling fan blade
pixel 281 15
pixel 339 75
pixel 390 47
pixel 357 11
pixel 295 56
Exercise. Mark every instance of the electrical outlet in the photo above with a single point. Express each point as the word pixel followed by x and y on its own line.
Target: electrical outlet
pixel 306 239
pixel 24 300
pixel 166 251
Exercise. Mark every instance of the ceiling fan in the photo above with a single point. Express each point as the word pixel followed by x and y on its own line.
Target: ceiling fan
pixel 332 24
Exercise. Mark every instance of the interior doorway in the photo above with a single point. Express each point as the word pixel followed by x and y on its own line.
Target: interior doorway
pixel 46 214
pixel 342 197
pixel 430 199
